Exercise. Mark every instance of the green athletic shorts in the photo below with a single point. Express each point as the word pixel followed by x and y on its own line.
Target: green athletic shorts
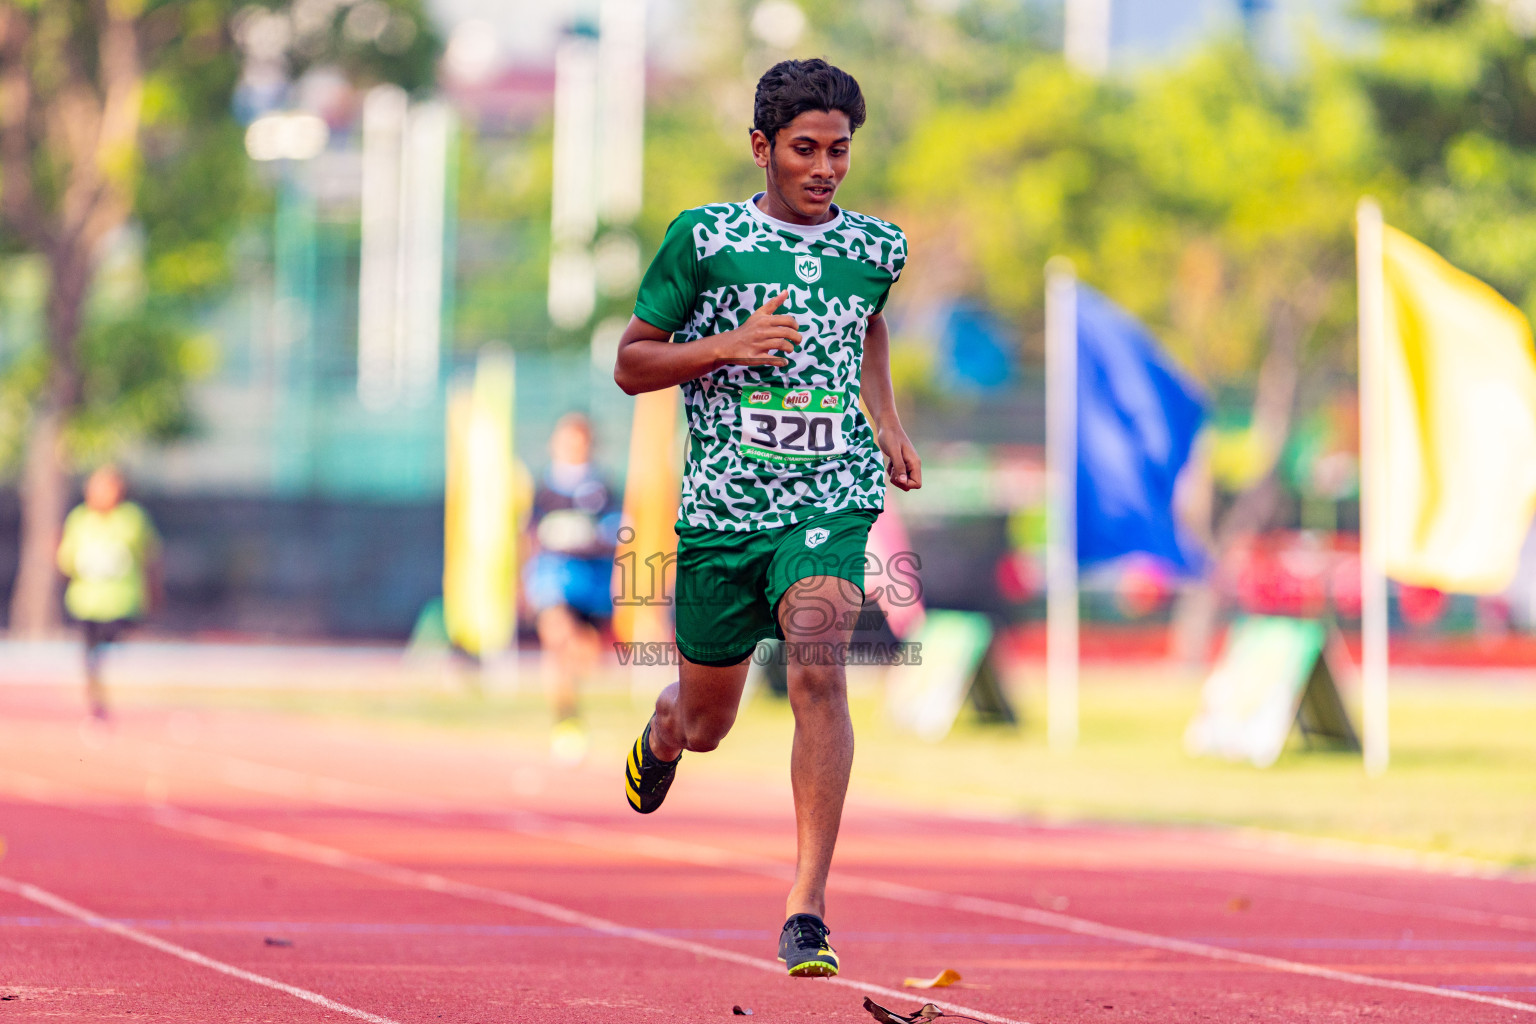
pixel 729 583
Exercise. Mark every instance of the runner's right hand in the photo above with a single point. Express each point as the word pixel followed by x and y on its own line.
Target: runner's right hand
pixel 758 341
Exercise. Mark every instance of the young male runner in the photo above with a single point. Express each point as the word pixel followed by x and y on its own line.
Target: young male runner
pixel 778 302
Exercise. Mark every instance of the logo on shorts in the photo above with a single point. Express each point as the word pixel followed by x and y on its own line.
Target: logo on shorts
pixel 760 398
pixel 809 268
pixel 797 400
pixel 829 401
pixel 816 536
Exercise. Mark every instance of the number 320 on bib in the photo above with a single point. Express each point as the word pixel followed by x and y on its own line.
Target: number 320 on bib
pixel 790 425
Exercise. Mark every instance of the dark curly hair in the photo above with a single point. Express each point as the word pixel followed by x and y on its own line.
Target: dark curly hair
pixel 791 87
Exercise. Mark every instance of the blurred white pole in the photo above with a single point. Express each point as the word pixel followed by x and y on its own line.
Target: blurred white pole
pixel 423 206
pixel 621 103
pixel 1085 40
pixel 620 143
pixel 1061 627
pixel 1373 464
pixel 400 273
pixel 573 213
pixel 379 296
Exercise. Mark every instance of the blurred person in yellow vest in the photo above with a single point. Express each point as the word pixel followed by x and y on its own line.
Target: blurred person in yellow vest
pixel 568 580
pixel 109 551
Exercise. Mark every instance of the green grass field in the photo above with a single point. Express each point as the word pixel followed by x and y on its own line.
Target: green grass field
pixel 1462 780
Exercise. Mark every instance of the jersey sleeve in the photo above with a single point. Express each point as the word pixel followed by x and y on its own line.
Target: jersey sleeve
pixel 898 264
pixel 671 284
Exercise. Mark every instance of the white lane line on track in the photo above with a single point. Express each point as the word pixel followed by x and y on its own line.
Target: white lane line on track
pixel 1149 940
pixel 1388 905
pixel 202 826
pixel 292 784
pixel 301 785
pixel 250 837
pixel 47 899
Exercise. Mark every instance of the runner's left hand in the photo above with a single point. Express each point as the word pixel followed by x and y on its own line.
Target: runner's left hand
pixel 902 465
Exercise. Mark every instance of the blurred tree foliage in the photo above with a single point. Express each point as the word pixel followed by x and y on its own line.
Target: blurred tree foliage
pixel 1214 200
pixel 911 58
pixel 1453 85
pixel 117 134
pixel 502 264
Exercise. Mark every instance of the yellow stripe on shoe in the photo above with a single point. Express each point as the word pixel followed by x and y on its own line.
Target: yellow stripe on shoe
pixel 646 777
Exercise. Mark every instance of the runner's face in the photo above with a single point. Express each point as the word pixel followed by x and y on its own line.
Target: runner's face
pixel 805 165
pixel 571 445
pixel 103 490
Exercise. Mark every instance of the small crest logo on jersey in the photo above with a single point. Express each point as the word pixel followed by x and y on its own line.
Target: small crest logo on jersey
pixel 797 400
pixel 816 536
pixel 809 268
pixel 760 398
pixel 829 401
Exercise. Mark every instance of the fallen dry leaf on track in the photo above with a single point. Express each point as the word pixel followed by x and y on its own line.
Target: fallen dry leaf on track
pixel 885 1016
pixel 737 1011
pixel 928 1013
pixel 943 979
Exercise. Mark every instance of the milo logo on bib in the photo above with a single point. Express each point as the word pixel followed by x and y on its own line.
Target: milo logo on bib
pixel 791 425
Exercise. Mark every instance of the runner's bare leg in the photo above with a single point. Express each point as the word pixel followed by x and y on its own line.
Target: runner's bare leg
pixel 815 615
pixel 697 711
pixel 569 648
pixel 95 692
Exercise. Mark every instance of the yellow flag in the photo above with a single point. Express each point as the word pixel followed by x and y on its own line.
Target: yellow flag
pixel 480 511
pixel 644 562
pixel 1460 444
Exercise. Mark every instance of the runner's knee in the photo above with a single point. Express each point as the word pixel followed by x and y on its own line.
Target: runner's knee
pixel 703 731
pixel 816 684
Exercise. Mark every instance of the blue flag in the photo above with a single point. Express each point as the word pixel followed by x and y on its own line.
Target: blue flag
pixel 1137 416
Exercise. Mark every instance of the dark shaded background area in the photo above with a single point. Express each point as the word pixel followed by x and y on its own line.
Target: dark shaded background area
pixel 292 569
pixel 310 569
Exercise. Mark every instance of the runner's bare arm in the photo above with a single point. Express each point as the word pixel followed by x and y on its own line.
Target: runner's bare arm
pixel 649 362
pixel 901 462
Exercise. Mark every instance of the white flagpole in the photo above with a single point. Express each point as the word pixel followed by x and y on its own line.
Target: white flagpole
pixel 1061 627
pixel 1085 36
pixel 1373 579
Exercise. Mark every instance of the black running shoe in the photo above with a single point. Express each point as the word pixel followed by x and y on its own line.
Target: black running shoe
pixel 646 776
pixel 804 949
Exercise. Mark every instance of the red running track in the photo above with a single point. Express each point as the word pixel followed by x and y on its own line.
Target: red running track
pixel 218 867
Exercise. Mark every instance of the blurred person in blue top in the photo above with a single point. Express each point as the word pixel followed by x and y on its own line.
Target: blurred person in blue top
pixel 568 584
pixel 110 553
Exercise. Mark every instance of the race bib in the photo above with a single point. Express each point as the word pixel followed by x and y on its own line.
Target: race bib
pixel 791 425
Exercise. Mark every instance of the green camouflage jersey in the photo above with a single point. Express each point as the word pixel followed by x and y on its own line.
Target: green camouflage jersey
pixel 772 445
